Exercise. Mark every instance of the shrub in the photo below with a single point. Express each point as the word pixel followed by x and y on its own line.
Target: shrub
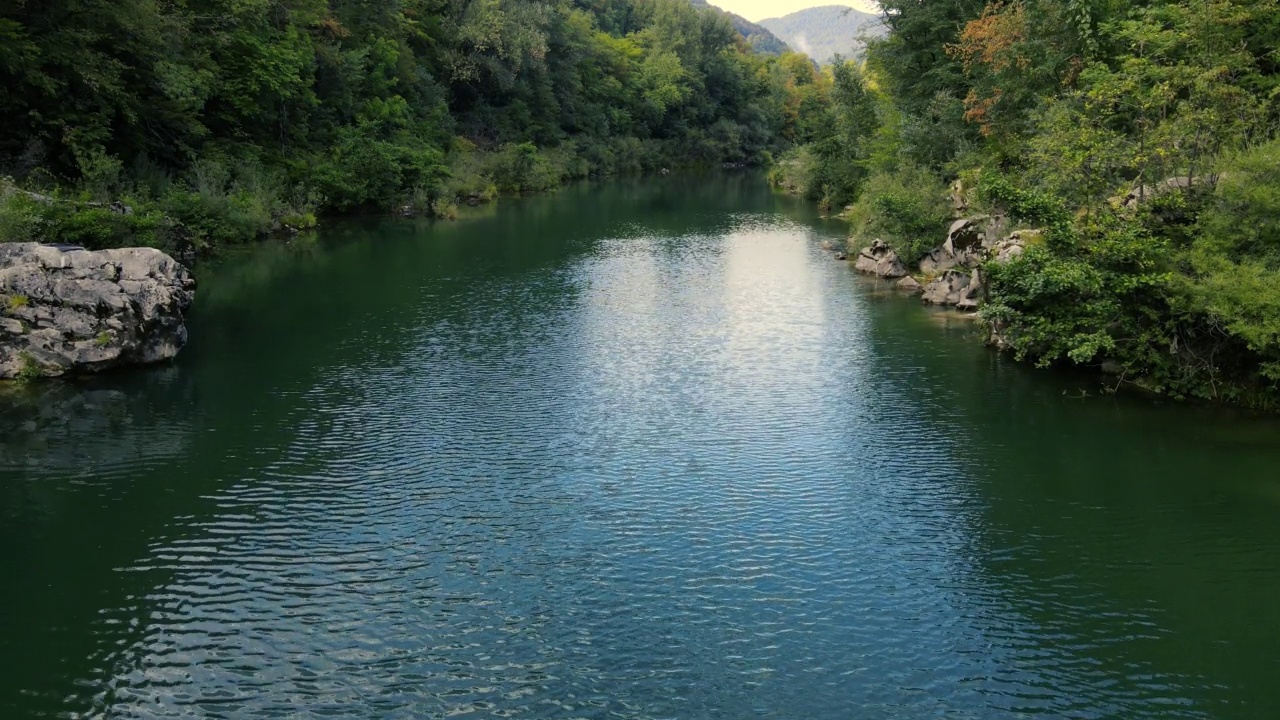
pixel 907 209
pixel 21 216
pixel 362 173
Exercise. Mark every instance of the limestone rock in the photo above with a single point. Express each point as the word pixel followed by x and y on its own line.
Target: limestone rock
pixel 909 284
pixel 69 310
pixel 1143 193
pixel 969 296
pixel 880 260
pixel 955 288
pixel 959 203
pixel 1013 246
pixel 967 244
pixel 947 257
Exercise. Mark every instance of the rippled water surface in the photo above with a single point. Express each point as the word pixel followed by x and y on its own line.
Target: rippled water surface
pixel 634 450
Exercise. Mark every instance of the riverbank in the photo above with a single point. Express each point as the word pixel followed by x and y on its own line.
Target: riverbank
pixel 1139 291
pixel 242 203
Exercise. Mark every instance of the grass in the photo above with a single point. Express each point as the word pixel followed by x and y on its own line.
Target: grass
pixel 17 302
pixel 29 371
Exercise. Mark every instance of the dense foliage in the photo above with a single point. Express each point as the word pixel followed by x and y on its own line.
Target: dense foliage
pixel 1140 134
pixel 219 120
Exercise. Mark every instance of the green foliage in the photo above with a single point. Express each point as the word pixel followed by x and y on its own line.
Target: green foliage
pixel 223 120
pixel 29 369
pixel 1235 257
pixel 20 217
pixel 832 168
pixel 1139 136
pixel 904 208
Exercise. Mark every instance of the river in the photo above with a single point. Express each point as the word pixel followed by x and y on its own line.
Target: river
pixel 636 449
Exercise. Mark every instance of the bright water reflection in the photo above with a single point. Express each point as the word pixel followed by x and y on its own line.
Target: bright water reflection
pixel 639 450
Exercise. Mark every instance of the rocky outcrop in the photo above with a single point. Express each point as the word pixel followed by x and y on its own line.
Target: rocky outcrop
pixel 880 260
pixel 1144 193
pixel 955 288
pixel 947 257
pixel 959 200
pixel 977 231
pixel 956 264
pixel 911 285
pixel 1013 246
pixel 68 310
pixel 967 245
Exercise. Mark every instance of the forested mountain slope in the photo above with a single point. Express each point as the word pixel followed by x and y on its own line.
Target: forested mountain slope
pixel 760 39
pixel 827 31
pixel 220 120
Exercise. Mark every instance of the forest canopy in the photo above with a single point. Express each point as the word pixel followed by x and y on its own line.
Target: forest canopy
pixel 220 120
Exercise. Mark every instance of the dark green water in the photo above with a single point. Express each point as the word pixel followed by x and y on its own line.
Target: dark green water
pixel 635 450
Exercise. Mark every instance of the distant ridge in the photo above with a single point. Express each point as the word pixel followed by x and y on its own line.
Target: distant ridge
pixel 827 31
pixel 760 39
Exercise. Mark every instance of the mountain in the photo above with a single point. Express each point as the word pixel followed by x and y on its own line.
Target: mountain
pixel 823 32
pixel 760 39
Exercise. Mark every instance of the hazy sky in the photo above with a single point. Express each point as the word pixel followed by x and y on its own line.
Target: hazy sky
pixel 761 9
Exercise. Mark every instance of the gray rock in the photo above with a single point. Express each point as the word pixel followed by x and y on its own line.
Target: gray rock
pixel 966 232
pixel 998 338
pixel 75 311
pixel 880 260
pixel 947 257
pixel 909 284
pixel 967 244
pixel 953 287
pixel 959 203
pixel 970 296
pixel 1143 193
pixel 1013 246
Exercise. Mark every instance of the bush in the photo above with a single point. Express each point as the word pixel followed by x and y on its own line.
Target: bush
pixel 907 209
pixel 101 227
pixel 363 173
pixel 795 173
pixel 20 217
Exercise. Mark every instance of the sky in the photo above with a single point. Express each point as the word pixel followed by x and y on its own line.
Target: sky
pixel 760 9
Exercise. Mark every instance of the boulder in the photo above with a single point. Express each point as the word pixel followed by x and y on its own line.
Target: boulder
pixel 946 257
pixel 880 260
pixel 75 311
pixel 966 232
pixel 955 288
pixel 998 338
pixel 1144 193
pixel 959 203
pixel 909 284
pixel 1013 246
pixel 970 294
pixel 967 244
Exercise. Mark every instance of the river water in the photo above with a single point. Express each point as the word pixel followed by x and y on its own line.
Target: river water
pixel 638 449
